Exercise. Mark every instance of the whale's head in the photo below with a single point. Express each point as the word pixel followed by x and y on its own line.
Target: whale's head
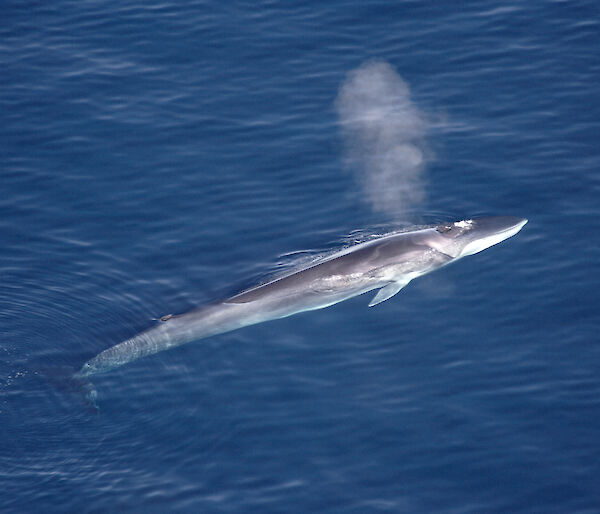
pixel 468 237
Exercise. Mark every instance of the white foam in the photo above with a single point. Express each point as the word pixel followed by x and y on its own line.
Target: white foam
pixel 463 224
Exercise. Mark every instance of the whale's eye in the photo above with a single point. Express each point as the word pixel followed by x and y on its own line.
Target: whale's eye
pixel 442 229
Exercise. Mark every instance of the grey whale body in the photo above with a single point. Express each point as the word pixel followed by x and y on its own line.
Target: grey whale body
pixel 386 263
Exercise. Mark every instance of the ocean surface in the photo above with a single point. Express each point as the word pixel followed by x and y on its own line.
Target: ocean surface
pixel 156 156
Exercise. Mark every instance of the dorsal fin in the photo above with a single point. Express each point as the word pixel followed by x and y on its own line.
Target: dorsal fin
pixel 387 292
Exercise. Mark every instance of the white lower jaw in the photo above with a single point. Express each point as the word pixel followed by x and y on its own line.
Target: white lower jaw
pixel 483 243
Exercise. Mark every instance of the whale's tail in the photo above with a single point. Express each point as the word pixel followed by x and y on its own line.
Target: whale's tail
pixel 88 391
pixel 70 381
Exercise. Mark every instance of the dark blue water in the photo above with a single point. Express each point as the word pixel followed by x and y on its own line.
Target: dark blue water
pixel 155 156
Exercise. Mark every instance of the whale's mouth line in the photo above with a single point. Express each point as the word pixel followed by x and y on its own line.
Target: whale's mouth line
pixel 514 229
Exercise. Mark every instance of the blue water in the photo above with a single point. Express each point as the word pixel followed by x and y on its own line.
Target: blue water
pixel 155 156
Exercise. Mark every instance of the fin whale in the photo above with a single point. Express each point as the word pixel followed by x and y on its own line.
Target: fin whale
pixel 386 264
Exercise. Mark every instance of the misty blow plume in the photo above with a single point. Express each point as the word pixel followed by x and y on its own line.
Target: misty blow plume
pixel 384 138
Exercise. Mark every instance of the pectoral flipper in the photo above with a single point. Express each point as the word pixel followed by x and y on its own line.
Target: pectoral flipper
pixel 387 292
